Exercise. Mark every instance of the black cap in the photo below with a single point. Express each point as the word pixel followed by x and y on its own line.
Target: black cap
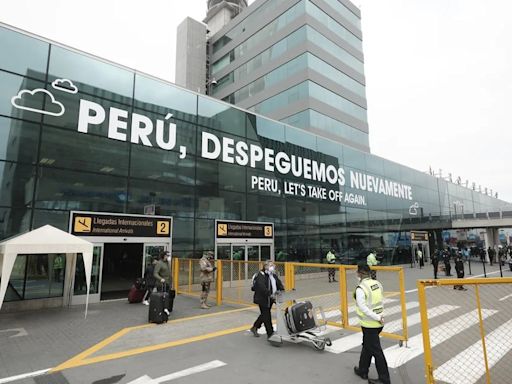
pixel 363 268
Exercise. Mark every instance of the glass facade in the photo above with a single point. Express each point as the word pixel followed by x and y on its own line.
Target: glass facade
pixel 306 90
pixel 283 59
pixel 112 140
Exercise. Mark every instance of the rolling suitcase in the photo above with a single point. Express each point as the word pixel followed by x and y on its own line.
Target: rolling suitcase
pixel 300 317
pixel 157 303
pixel 135 295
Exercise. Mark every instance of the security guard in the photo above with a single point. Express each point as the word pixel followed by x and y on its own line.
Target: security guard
pixel 369 296
pixel 331 259
pixel 206 277
pixel 371 260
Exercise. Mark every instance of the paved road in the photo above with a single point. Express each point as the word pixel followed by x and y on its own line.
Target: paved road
pixel 244 359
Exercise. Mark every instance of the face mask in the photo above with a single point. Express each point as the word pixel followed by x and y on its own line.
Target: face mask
pixel 271 269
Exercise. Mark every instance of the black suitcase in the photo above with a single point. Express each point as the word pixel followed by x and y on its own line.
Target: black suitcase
pixel 300 317
pixel 157 303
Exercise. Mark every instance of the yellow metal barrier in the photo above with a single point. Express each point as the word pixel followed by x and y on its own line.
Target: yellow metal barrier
pixel 311 282
pixel 186 276
pixel 393 282
pixel 472 341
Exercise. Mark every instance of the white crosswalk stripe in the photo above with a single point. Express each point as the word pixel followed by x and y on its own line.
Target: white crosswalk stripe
pixel 474 357
pixel 397 356
pixel 352 309
pixel 354 340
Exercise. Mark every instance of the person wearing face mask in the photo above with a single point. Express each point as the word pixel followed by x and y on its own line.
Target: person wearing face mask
pixel 369 296
pixel 266 286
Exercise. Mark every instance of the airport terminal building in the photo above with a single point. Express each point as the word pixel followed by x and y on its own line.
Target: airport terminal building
pixel 137 165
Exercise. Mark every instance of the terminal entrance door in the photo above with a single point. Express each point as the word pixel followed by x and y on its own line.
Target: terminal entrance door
pixel 122 264
pixel 422 246
pixel 244 252
pixel 239 254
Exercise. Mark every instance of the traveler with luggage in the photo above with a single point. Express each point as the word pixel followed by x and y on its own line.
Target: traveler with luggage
pixel 371 260
pixel 369 296
pixel 160 302
pixel 331 259
pixel 266 286
pixel 206 277
pixel 150 280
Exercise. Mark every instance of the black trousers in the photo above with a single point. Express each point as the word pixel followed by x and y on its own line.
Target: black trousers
pixel 264 318
pixel 372 348
pixel 435 265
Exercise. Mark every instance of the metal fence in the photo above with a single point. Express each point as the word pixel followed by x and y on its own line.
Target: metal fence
pixel 393 281
pixel 467 330
pixel 309 281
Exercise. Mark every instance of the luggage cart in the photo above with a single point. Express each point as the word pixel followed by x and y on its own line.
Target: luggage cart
pixel 283 333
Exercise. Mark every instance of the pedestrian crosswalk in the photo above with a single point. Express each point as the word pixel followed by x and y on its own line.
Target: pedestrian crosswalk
pixel 451 321
pixel 397 356
pixel 453 329
pixel 354 340
pixel 473 357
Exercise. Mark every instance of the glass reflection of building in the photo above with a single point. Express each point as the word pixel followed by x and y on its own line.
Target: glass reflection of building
pixel 48 168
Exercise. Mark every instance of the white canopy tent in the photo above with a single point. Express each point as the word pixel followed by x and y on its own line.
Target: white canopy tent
pixel 46 239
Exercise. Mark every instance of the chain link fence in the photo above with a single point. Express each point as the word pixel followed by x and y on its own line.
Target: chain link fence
pixel 321 285
pixel 467 330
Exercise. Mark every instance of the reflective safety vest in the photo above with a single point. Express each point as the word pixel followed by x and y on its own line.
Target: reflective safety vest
pixel 371 260
pixel 58 262
pixel 373 292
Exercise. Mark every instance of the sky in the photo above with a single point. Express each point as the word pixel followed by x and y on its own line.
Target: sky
pixel 438 72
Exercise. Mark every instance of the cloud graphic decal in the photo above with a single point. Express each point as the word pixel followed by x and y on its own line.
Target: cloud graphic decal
pixel 65 85
pixel 26 97
pixel 413 209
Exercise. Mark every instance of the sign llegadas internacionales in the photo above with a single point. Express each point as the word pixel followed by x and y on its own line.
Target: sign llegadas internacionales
pixel 118 225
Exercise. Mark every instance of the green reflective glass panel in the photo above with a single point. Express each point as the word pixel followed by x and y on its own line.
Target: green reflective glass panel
pixel 26 56
pixel 18 140
pixel 91 75
pixel 77 151
pixel 23 98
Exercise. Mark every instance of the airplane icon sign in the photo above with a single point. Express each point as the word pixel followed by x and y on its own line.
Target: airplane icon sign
pixel 82 224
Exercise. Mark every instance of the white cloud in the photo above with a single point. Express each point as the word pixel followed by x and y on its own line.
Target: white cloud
pixel 26 97
pixel 65 85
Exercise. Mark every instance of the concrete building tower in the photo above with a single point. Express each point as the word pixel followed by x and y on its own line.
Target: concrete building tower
pixel 191 60
pixel 221 12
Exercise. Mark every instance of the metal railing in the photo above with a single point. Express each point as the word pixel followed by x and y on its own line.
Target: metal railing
pixel 471 342
pixel 312 282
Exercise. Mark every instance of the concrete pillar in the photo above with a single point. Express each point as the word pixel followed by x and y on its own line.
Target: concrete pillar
pixel 488 242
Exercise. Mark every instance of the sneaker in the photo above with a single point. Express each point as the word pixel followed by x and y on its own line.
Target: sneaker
pixel 204 306
pixel 167 312
pixel 335 281
pixel 145 302
pixel 255 332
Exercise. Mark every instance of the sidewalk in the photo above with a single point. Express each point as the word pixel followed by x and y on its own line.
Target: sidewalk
pixel 56 335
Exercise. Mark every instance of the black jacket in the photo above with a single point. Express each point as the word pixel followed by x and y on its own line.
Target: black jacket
pixel 459 267
pixel 263 289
